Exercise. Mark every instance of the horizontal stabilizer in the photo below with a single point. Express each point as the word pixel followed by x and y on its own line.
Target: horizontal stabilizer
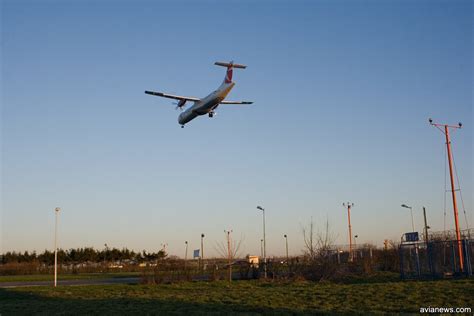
pixel 231 64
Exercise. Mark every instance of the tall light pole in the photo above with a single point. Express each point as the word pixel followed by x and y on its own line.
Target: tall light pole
pixel 261 248
pixel 286 241
pixel 201 257
pixel 56 211
pixel 445 131
pixel 349 205
pixel 355 245
pixel 230 252
pixel 202 246
pixel 416 245
pixel 105 254
pixel 411 211
pixel 426 227
pixel 202 250
pixel 264 243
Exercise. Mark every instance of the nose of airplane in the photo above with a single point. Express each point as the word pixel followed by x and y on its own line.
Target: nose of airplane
pixel 180 118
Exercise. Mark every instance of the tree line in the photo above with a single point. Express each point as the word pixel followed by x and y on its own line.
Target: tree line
pixel 80 255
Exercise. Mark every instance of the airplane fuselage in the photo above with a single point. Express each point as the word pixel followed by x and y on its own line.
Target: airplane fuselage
pixel 206 105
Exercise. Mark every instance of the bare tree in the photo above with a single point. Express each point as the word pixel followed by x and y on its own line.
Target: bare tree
pixel 318 248
pixel 325 241
pixel 309 239
pixel 229 249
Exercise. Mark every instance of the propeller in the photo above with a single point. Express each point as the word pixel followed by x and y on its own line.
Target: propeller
pixel 180 104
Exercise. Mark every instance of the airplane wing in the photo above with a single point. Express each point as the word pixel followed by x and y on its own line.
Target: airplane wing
pixel 171 96
pixel 236 102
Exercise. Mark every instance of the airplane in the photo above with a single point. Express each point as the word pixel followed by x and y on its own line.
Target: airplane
pixel 209 104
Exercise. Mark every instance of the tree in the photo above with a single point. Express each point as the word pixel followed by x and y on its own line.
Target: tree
pixel 319 247
pixel 229 250
pixel 309 239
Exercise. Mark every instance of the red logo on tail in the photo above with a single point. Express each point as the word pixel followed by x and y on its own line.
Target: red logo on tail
pixel 228 77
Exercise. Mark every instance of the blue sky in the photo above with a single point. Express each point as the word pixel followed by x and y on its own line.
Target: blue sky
pixel 342 89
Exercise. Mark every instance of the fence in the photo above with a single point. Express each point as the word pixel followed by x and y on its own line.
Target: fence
pixel 435 259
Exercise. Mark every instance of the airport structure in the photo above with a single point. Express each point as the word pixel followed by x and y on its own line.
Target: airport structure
pixel 444 128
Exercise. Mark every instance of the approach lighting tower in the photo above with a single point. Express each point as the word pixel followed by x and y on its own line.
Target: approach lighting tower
pixel 444 128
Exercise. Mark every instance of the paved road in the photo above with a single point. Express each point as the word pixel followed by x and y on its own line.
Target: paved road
pixel 134 280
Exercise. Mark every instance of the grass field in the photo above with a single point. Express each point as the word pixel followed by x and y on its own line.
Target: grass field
pixel 82 276
pixel 241 297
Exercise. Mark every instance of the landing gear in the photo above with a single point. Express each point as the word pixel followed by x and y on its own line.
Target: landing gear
pixel 182 126
pixel 211 114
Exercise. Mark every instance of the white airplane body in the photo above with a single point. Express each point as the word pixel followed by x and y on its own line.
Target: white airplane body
pixel 206 105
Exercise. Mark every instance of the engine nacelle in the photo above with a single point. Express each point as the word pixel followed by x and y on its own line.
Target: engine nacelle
pixel 180 104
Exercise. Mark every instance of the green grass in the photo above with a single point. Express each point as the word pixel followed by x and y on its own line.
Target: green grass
pixel 81 276
pixel 247 297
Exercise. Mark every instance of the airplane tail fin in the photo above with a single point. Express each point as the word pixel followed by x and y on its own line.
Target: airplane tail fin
pixel 230 66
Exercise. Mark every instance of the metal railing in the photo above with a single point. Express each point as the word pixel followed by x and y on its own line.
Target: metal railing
pixel 435 259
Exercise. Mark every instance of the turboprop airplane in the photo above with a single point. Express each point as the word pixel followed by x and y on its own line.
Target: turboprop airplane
pixel 209 104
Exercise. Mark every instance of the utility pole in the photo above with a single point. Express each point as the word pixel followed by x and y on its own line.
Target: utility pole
pixel 445 131
pixel 349 205
pixel 56 211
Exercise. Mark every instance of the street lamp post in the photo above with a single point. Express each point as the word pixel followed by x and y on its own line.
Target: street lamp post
pixel 417 260
pixel 261 248
pixel 426 227
pixel 185 254
pixel 105 254
pixel 264 243
pixel 230 253
pixel 202 250
pixel 355 245
pixel 56 211
pixel 286 241
pixel 412 221
pixel 202 246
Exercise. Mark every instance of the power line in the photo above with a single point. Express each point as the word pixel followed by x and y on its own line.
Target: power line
pixel 460 194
